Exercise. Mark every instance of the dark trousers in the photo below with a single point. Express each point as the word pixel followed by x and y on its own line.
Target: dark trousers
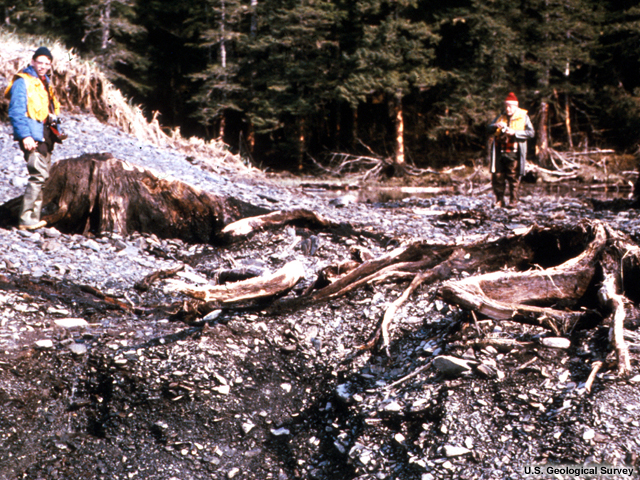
pixel 506 173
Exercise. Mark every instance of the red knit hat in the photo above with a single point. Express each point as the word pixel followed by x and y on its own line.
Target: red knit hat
pixel 511 98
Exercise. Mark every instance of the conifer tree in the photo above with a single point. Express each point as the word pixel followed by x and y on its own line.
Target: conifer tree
pixel 219 90
pixel 393 55
pixel 289 69
pixel 112 33
pixel 29 16
pixel 561 36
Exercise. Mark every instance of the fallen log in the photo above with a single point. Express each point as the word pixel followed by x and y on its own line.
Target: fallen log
pixel 244 227
pixel 270 285
pixel 98 193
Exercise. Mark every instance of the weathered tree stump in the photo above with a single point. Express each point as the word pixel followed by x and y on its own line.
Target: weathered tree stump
pixel 98 193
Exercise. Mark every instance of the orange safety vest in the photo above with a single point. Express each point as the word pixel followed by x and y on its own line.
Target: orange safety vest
pixel 37 97
pixel 518 120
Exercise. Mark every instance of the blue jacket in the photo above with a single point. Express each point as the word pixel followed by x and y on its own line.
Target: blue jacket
pixel 23 126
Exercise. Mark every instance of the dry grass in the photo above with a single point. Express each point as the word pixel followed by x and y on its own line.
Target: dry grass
pixel 80 84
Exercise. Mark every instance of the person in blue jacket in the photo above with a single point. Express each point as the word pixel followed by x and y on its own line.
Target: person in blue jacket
pixel 32 107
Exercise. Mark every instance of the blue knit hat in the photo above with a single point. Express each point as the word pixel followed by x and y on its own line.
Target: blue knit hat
pixel 43 51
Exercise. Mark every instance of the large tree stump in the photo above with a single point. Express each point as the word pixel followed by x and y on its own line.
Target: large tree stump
pixel 98 193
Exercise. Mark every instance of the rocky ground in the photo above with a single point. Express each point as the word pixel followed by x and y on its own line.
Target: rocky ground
pixel 99 381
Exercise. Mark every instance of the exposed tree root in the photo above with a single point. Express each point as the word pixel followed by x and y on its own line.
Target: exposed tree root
pixel 277 283
pixel 246 226
pixel 615 302
pixel 383 329
pixel 553 296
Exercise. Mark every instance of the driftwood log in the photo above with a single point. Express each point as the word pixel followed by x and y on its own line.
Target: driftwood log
pixel 244 227
pixel 270 285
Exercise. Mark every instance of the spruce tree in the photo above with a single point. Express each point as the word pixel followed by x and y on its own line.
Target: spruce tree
pixel 112 33
pixel 219 90
pixel 289 69
pixel 393 55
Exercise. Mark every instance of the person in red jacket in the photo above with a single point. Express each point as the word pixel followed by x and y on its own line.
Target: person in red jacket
pixel 510 132
pixel 31 108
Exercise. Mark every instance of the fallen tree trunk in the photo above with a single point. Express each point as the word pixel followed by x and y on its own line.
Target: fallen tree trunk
pixel 246 226
pixel 97 193
pixel 277 283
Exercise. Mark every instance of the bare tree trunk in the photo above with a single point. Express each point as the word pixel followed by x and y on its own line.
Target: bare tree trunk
pixel 399 160
pixel 254 17
pixel 223 62
pixel 542 143
pixel 567 119
pixel 105 22
pixel 302 126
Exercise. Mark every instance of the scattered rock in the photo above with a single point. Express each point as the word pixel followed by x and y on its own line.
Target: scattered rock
pixel 44 344
pixel 556 342
pixel 77 348
pixel 71 322
pixel 451 366
pixel 453 451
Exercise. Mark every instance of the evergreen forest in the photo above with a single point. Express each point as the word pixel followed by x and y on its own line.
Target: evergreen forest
pixel 290 83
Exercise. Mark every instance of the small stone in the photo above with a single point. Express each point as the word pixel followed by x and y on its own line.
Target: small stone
pixel 635 379
pixel 222 389
pixel 491 350
pixel 212 315
pixel 280 431
pixel 451 366
pixel 339 446
pixel 233 472
pixel 486 371
pixel 393 407
pixel 343 392
pixel 92 244
pixel 453 451
pixel 77 348
pixel 71 322
pixel 398 437
pixel 248 426
pixel 44 343
pixel 556 342
pixel 588 434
